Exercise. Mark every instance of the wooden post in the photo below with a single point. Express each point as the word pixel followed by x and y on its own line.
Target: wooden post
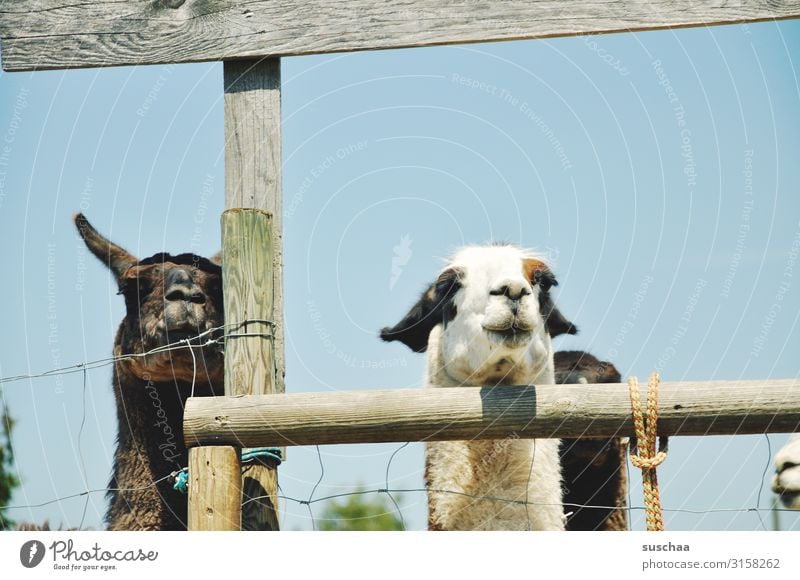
pixel 252 257
pixel 249 348
pixel 215 488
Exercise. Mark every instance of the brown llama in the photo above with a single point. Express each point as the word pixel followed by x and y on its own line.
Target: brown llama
pixel 168 299
pixel 594 471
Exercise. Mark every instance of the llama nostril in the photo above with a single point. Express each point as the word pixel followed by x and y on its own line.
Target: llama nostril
pixel 197 298
pixel 175 295
pixel 511 290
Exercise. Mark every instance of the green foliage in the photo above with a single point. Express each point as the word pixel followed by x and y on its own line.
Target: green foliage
pixel 8 481
pixel 361 512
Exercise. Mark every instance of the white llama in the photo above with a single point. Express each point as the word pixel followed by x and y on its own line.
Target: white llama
pixel 488 321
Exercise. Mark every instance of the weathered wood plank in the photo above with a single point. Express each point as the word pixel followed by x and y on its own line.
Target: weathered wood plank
pixel 686 408
pixel 250 367
pixel 253 172
pixel 53 34
pixel 254 365
pixel 248 295
pixel 215 489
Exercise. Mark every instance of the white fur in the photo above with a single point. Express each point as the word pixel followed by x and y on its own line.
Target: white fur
pixel 786 480
pixel 465 353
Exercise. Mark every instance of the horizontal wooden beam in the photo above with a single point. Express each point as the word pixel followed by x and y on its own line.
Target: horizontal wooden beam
pixel 686 408
pixel 57 34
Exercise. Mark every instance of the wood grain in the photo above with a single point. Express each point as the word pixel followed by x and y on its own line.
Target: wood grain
pixel 253 180
pixel 253 176
pixel 215 489
pixel 247 287
pixel 56 34
pixel 686 408
pixel 250 362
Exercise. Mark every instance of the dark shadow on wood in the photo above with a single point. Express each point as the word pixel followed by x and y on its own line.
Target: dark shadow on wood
pixel 259 509
pixel 508 401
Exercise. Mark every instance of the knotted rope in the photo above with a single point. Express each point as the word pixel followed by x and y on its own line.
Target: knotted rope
pixel 646 457
pixel 181 477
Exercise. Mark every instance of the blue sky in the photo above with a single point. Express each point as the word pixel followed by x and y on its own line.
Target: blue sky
pixel 658 170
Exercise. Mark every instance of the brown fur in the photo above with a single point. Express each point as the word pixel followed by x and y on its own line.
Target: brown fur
pixel 594 471
pixel 168 299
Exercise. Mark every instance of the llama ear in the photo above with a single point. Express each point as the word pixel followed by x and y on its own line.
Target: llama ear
pixel 435 306
pixel 540 275
pixel 555 322
pixel 216 258
pixel 117 259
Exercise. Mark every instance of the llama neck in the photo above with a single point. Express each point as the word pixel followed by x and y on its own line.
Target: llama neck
pixel 501 469
pixel 149 448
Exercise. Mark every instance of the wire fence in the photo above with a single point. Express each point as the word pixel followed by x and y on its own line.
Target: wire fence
pixel 569 508
pixel 218 335
pixel 388 491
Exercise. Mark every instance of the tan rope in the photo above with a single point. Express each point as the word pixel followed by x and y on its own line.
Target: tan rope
pixel 646 457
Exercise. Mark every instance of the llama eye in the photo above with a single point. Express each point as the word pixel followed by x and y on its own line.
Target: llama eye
pixel 138 290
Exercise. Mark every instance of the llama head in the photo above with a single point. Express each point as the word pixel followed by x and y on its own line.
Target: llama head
pixel 168 299
pixel 490 314
pixel 574 367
